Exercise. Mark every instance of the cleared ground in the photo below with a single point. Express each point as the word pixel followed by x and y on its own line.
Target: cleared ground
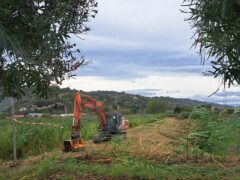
pixel 149 152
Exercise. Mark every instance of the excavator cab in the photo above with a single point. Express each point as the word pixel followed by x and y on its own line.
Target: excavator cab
pixel 114 126
pixel 114 120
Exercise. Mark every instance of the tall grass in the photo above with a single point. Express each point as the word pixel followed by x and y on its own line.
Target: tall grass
pixel 137 120
pixel 124 168
pixel 217 137
pixel 34 139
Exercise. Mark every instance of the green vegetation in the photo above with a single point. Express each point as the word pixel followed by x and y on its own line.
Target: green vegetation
pixel 136 120
pixel 217 35
pixel 123 159
pixel 214 135
pixel 185 114
pixel 156 106
pixel 113 101
pixel 35 139
pixel 104 165
pixel 40 41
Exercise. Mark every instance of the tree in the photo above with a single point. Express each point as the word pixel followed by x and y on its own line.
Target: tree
pixel 156 106
pixel 177 110
pixel 217 35
pixel 35 43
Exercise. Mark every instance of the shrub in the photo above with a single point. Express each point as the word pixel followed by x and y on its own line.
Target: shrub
pixel 177 110
pixel 2 116
pixel 170 113
pixel 224 113
pixel 156 106
pixel 185 114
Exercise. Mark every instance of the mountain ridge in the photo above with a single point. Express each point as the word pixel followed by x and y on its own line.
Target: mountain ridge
pixel 111 99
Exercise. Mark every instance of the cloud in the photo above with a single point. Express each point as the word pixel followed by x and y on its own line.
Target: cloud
pixel 166 84
pixel 143 47
pixel 135 24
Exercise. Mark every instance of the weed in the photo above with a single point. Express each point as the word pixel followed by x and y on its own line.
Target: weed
pixel 136 120
pixel 210 135
pixel 45 168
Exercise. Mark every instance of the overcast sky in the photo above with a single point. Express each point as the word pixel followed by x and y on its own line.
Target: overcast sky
pixel 143 47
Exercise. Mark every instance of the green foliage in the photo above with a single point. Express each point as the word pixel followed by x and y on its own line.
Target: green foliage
pixel 199 115
pixel 230 110
pixel 136 120
pixel 33 140
pixel 185 114
pixel 177 110
pixel 44 169
pixel 217 35
pixel 126 167
pixel 156 106
pixel 2 116
pixel 214 136
pixel 224 113
pixel 38 50
pixel 170 113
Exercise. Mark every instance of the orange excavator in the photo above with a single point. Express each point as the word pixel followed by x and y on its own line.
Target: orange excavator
pixel 110 123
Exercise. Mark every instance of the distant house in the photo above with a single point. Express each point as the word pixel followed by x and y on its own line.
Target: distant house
pixel 214 108
pixel 62 115
pixel 236 111
pixel 34 107
pixel 35 114
pixel 22 109
pixel 18 116
pixel 66 115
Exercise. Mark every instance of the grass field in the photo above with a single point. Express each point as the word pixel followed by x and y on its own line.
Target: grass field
pixel 111 167
pixel 36 139
pixel 151 151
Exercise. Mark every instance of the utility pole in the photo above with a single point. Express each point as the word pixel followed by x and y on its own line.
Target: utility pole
pixel 65 108
pixel 14 132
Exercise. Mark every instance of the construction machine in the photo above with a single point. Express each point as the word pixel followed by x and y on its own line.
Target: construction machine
pixel 109 123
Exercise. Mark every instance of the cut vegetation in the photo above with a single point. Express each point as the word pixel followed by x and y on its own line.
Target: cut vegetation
pixel 156 148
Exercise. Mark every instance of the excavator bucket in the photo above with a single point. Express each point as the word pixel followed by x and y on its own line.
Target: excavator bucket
pixel 73 145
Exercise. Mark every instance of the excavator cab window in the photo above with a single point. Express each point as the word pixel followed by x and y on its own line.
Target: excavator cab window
pixel 114 121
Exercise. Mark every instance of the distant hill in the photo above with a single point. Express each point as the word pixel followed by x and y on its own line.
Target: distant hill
pixel 61 100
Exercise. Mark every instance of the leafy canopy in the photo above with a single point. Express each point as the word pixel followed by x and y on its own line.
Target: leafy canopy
pixel 217 35
pixel 35 44
pixel 155 106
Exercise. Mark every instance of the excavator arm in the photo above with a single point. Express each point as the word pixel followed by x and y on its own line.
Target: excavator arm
pixel 97 106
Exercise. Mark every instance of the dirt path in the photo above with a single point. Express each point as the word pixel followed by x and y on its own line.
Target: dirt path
pixel 161 132
pixel 160 138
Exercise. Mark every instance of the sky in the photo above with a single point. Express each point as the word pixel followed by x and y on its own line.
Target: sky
pixel 144 47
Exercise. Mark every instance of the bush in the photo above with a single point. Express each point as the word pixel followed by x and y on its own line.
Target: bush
pixel 230 110
pixel 213 136
pixel 177 110
pixel 170 113
pixel 224 113
pixel 2 116
pixel 136 120
pixel 156 106
pixel 185 114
